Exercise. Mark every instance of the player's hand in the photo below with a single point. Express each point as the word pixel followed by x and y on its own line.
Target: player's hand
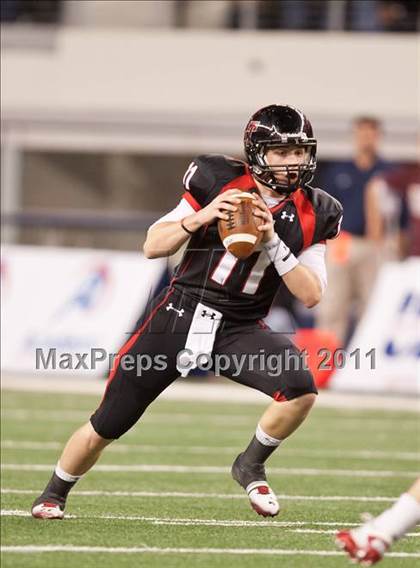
pixel 218 208
pixel 263 213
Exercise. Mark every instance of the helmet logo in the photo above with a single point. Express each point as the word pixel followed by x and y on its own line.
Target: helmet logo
pixel 252 126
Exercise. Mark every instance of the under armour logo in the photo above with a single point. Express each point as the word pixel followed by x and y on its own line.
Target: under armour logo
pixel 206 314
pixel 285 215
pixel 171 307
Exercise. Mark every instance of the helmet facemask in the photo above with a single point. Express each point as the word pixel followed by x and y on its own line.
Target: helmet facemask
pixel 295 174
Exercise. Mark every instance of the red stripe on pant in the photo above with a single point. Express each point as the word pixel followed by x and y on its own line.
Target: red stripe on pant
pixel 279 397
pixel 128 344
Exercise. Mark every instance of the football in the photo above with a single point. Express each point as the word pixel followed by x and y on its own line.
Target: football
pixel 239 233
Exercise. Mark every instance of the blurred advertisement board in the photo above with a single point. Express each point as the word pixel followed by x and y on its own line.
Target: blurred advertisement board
pixel 391 328
pixel 67 310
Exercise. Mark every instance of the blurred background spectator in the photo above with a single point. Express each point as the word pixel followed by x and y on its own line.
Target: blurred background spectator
pixel 350 15
pixel 390 195
pixel 39 11
pixel 353 258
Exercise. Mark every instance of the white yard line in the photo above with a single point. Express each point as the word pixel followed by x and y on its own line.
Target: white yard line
pixel 76 415
pixel 215 391
pixel 149 468
pixel 328 531
pixel 208 522
pixel 192 495
pixel 228 450
pixel 31 549
pixel 188 521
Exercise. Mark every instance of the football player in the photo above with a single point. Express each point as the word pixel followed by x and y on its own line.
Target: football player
pixel 368 543
pixel 215 303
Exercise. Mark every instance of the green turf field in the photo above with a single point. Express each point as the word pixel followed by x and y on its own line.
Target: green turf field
pixel 163 495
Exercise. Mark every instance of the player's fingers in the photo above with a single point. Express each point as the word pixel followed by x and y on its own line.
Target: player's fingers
pixel 226 206
pixel 258 197
pixel 265 220
pixel 260 213
pixel 230 195
pixel 221 215
pixel 260 218
pixel 260 204
pixel 230 198
pixel 232 191
pixel 263 215
pixel 257 205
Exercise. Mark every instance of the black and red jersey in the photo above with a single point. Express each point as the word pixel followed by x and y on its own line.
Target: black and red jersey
pixel 243 290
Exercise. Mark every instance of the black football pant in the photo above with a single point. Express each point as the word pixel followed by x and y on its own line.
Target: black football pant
pixel 250 354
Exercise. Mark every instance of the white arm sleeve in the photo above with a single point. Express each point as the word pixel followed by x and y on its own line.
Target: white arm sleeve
pixel 314 258
pixel 181 210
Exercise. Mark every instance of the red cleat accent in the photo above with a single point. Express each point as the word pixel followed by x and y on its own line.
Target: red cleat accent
pixel 344 541
pixel 262 499
pixel 251 477
pixel 367 554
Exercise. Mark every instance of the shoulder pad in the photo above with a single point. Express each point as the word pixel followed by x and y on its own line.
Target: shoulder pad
pixel 328 213
pixel 207 174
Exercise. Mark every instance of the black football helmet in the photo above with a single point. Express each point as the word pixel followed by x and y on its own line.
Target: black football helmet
pixel 274 126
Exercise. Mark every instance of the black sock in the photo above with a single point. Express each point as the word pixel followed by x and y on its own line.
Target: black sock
pixel 257 452
pixel 57 488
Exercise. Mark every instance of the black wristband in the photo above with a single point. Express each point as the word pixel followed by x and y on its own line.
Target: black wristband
pixel 185 228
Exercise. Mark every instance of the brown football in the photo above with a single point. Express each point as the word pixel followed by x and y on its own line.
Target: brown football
pixel 239 234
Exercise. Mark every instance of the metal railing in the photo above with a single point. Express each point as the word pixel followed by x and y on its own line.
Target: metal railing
pixel 95 220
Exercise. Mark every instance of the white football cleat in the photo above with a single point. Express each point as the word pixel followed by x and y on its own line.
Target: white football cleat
pixel 262 499
pixel 251 477
pixel 365 545
pixel 47 510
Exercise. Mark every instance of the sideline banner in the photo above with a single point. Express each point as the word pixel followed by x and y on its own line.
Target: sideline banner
pixel 71 301
pixel 391 328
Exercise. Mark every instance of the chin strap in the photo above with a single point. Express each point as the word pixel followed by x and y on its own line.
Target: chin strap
pixel 304 176
pixel 280 189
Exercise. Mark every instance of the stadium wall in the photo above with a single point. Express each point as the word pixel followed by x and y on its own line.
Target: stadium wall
pixel 133 72
pixel 169 90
